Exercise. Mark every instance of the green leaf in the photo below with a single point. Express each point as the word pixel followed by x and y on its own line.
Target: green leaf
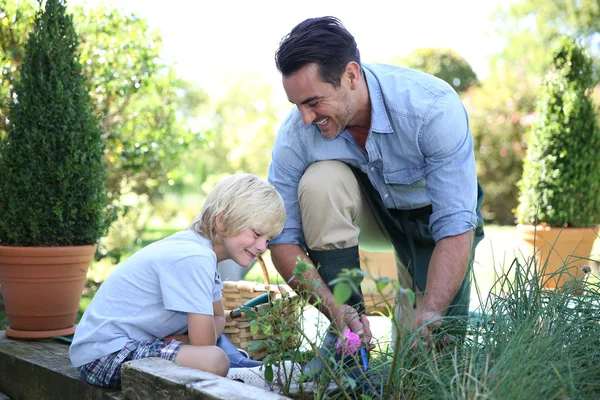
pixel 266 329
pixel 254 329
pixel 254 346
pixel 301 267
pixel 341 293
pixel 382 283
pixel 269 373
pixel 409 294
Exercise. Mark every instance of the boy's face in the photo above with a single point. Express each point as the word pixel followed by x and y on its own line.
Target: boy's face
pixel 245 246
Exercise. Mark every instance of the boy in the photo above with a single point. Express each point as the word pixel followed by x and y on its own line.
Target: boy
pixel 165 300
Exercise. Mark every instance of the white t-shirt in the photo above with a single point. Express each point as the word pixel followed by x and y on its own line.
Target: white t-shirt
pixel 148 296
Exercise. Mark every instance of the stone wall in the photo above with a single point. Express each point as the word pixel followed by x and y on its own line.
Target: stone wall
pixel 34 370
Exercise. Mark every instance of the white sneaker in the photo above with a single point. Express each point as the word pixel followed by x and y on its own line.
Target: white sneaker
pixel 256 376
pixel 250 376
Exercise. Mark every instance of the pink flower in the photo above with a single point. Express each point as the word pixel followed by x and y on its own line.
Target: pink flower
pixel 348 343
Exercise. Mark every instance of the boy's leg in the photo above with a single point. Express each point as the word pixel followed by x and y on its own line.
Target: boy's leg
pixel 205 358
pixel 106 371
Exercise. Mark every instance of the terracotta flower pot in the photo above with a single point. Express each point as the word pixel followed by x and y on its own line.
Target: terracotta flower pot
pixel 41 287
pixel 558 247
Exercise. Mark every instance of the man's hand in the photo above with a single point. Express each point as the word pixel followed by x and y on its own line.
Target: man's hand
pixel 425 323
pixel 347 316
pixel 284 257
pixel 447 269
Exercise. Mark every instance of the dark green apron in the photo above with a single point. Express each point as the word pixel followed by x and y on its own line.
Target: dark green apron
pixel 408 231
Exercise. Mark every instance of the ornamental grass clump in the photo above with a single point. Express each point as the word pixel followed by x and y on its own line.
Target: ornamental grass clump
pixel 51 174
pixel 561 173
pixel 523 342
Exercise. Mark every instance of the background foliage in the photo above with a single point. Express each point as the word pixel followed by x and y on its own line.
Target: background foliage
pixel 446 64
pixel 504 106
pixel 143 107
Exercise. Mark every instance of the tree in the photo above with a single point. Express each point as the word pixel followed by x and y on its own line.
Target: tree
pixel 446 64
pixel 16 19
pixel 137 95
pixel 243 123
pixel 499 115
pixel 531 29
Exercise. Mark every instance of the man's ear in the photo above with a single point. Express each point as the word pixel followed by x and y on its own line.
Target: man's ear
pixel 352 74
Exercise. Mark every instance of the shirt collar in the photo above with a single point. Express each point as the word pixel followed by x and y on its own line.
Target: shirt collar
pixel 380 122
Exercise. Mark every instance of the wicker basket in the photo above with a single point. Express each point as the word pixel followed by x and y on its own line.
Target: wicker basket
pixel 236 293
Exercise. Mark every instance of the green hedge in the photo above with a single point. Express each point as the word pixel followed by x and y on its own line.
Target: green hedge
pixel 561 173
pixel 51 175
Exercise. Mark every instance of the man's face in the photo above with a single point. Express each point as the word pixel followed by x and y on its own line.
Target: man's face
pixel 330 109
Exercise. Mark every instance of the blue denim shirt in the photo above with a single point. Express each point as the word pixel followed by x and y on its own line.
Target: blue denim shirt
pixel 419 152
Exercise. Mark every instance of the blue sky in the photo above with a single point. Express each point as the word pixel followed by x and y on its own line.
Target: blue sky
pixel 214 42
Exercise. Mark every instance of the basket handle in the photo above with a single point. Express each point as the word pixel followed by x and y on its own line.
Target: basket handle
pixel 264 269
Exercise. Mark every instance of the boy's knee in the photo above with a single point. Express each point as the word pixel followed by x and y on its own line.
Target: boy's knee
pixel 220 361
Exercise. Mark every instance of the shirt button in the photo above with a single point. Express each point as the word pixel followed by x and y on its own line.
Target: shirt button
pixel 372 168
pixel 385 196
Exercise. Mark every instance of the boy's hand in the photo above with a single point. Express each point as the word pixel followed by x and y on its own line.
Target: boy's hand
pixel 185 339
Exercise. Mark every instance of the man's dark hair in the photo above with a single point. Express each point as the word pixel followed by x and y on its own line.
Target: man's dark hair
pixel 323 41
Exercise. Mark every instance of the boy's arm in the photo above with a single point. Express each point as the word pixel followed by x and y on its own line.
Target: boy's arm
pixel 201 330
pixel 219 313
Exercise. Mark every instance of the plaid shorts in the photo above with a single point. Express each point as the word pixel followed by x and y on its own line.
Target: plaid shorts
pixel 106 371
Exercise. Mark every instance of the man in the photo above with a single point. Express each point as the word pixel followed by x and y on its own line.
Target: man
pixel 373 154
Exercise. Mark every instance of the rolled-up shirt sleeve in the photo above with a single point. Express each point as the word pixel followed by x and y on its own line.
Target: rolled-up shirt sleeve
pixel 288 164
pixel 446 142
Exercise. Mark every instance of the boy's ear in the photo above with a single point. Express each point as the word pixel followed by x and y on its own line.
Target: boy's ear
pixel 219 223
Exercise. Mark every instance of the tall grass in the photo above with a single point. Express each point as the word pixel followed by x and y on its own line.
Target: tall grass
pixel 523 342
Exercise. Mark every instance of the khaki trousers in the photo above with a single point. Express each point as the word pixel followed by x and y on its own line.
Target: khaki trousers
pixel 336 216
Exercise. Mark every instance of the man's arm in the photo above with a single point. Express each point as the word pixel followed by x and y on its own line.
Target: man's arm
pixel 447 269
pixel 284 257
pixel 451 179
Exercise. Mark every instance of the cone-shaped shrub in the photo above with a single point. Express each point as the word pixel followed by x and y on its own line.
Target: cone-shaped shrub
pixel 561 173
pixel 51 174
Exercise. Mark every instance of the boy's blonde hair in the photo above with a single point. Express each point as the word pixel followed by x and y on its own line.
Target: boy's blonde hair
pixel 247 202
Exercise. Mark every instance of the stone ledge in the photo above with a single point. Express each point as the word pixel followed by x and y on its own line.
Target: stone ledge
pixel 42 370
pixel 155 378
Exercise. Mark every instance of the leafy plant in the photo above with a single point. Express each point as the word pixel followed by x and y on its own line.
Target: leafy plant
pixel 561 172
pixel 51 174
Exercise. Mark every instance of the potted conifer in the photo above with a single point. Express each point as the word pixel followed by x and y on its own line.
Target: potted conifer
pixel 52 195
pixel 559 205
